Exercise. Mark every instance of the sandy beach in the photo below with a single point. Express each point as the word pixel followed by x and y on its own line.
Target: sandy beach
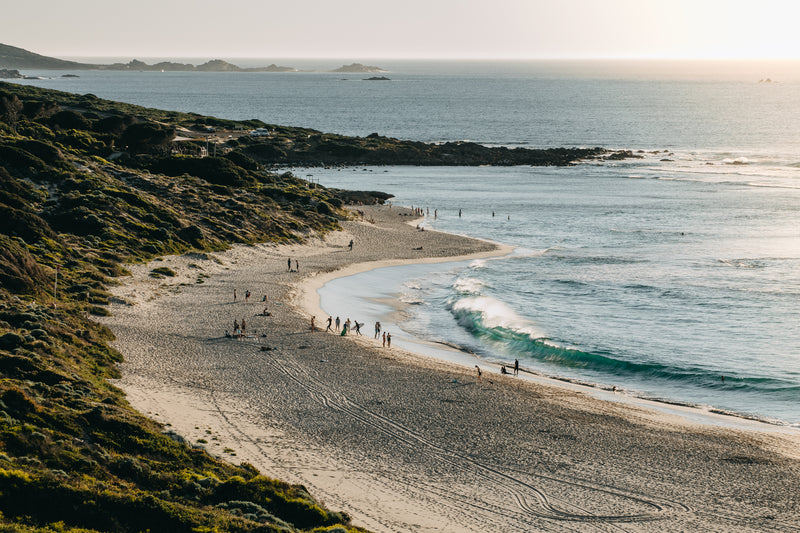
pixel 404 442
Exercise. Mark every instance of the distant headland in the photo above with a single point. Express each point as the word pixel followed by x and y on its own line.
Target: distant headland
pixel 12 57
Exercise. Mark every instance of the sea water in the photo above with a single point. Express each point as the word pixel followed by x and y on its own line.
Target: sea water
pixel 660 276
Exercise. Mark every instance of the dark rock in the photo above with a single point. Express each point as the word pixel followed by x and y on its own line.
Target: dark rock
pixel 8 74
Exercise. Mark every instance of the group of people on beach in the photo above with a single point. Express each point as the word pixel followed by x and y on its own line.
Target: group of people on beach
pixel 240 329
pixel 503 370
pixel 348 326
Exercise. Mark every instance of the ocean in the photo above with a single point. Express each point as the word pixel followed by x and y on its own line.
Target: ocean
pixel 675 276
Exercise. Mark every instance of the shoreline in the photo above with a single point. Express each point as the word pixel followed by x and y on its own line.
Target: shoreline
pixel 308 300
pixel 405 442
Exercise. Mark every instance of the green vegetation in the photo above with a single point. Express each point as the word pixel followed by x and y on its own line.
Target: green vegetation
pixel 86 187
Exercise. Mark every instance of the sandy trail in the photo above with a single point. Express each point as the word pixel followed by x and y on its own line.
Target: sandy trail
pixel 407 443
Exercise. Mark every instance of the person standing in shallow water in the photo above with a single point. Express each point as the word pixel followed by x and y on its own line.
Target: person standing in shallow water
pixel 377 329
pixel 338 322
pixel 516 367
pixel 388 340
pixel 384 339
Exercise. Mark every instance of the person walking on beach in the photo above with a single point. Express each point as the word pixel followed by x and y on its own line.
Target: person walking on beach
pixel 289 264
pixel 330 321
pixel 313 326
pixel 296 265
pixel 377 329
pixel 351 245
pixel 480 374
pixel 234 295
pixel 388 340
pixel 516 367
pixel 236 327
pixel 337 323
pixel 384 339
pixel 244 328
pixel 358 328
pixel 246 295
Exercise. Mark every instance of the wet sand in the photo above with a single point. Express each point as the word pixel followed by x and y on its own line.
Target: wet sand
pixel 408 443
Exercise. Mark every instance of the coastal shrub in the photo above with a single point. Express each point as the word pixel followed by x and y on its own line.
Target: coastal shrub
pixel 163 271
pixel 25 225
pixel 68 119
pixel 266 152
pixel 241 160
pixel 19 159
pixel 11 340
pixel 98 311
pixel 44 151
pixel 192 234
pixel 17 402
pixel 216 170
pixel 113 124
pixel 78 220
pixel 17 192
pixel 83 140
pixel 34 130
pixel 147 137
pixel 19 271
pixel 34 109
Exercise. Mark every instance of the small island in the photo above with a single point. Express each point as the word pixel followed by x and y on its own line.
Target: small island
pixel 377 78
pixel 358 68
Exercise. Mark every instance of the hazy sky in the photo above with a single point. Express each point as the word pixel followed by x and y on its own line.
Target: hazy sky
pixel 405 28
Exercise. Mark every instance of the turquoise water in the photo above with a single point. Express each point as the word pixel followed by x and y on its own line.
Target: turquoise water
pixel 641 275
pixel 659 276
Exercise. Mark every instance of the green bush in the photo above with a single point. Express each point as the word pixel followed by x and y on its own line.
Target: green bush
pixel 147 137
pixel 163 271
pixel 68 119
pixel 216 170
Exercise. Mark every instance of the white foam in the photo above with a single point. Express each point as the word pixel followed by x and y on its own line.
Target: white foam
pixel 496 314
pixel 478 264
pixel 469 286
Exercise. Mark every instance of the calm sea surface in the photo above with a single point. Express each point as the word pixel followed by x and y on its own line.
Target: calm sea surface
pixel 659 275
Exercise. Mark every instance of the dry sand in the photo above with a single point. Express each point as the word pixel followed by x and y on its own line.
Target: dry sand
pixel 408 443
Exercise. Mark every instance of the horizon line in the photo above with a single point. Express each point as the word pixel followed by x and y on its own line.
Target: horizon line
pixel 437 58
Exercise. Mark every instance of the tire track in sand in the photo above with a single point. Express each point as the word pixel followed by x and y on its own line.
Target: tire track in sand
pixel 528 497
